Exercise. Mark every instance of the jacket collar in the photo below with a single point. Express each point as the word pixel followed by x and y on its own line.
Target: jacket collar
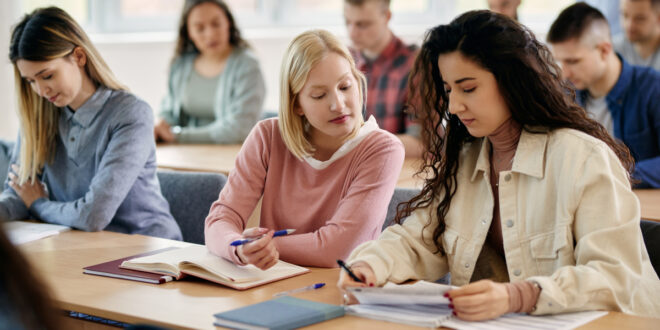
pixel 619 90
pixel 529 158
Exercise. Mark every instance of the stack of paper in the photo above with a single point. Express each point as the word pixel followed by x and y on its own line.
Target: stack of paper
pixel 423 304
pixel 20 232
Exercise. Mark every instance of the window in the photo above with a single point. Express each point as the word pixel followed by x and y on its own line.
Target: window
pixel 122 16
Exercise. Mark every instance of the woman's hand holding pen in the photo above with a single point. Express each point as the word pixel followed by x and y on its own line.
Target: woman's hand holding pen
pixel 361 270
pixel 262 252
pixel 481 300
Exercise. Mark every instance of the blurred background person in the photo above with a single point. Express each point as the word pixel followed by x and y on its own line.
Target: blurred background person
pixel 386 62
pixel 624 98
pixel 640 44
pixel 507 8
pixel 216 89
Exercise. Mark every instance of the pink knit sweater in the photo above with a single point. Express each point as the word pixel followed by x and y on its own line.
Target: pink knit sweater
pixel 332 209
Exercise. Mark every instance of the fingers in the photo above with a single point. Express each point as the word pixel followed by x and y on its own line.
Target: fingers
pixel 469 289
pixel 364 272
pixel 254 232
pixel 480 300
pixel 262 253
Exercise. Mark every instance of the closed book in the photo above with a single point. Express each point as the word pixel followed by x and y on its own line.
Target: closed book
pixel 112 269
pixel 196 260
pixel 278 314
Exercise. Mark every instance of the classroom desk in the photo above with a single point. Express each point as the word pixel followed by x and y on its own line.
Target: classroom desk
pixel 220 159
pixel 189 303
pixel 197 157
pixel 649 199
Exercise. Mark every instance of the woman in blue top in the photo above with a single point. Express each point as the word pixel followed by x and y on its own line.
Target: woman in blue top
pixel 85 157
pixel 215 89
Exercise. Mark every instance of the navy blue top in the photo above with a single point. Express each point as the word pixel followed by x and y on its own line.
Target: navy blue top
pixel 103 174
pixel 634 103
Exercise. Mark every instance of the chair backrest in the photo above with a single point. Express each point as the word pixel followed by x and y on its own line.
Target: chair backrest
pixel 651 234
pixel 190 195
pixel 6 148
pixel 400 195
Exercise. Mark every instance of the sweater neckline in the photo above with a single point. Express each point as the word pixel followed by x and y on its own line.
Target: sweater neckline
pixel 368 127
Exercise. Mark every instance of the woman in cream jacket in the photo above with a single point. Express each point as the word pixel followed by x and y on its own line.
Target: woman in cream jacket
pixel 528 203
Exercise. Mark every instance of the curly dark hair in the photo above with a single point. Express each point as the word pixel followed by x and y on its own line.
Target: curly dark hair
pixel 528 78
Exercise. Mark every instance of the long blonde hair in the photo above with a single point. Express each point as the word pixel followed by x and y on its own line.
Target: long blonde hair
pixel 304 52
pixel 44 35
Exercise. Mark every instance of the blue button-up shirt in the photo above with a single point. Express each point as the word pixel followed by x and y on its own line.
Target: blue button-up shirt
pixel 103 173
pixel 634 103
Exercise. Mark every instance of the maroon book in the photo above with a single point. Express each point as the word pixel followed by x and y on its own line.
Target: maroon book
pixel 111 269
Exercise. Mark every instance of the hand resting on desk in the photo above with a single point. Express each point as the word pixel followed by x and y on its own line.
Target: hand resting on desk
pixel 262 253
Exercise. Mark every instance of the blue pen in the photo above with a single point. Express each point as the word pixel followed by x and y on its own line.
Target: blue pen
pixel 307 288
pixel 248 240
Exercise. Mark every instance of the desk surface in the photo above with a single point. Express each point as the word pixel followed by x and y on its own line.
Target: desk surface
pixel 189 303
pixel 220 158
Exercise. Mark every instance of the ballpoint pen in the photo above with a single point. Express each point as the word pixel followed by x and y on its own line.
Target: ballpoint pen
pixel 248 240
pixel 349 271
pixel 306 288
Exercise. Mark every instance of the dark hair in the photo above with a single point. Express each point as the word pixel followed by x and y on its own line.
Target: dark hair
pixel 528 79
pixel 573 21
pixel 27 296
pixel 359 3
pixel 185 45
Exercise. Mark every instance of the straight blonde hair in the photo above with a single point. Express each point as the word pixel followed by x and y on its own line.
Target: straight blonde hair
pixel 304 52
pixel 43 35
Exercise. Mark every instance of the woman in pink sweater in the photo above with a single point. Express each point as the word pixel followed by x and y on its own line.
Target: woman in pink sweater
pixel 320 168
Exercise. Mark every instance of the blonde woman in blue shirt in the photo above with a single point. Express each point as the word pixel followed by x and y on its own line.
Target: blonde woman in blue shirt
pixel 215 88
pixel 85 157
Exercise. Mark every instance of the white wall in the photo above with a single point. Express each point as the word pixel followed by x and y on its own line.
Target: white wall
pixel 8 118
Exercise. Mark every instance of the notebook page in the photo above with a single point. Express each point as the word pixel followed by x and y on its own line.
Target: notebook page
pixel 418 315
pixel 524 321
pixel 421 292
pixel 20 232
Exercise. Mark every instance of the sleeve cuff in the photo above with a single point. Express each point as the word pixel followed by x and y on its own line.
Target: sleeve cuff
pixel 547 302
pixel 37 207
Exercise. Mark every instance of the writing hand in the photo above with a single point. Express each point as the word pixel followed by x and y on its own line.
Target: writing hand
pixel 262 253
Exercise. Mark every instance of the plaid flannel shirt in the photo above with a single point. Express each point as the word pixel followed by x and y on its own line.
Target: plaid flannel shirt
pixel 387 85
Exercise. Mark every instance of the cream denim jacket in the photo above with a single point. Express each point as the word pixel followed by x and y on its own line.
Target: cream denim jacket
pixel 570 223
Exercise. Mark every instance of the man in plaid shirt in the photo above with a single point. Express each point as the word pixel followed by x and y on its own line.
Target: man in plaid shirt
pixel 386 62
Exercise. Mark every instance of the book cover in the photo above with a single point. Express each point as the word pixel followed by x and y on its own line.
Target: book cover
pixel 196 260
pixel 280 313
pixel 112 269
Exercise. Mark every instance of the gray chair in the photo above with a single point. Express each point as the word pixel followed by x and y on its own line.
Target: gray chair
pixel 400 195
pixel 6 148
pixel 651 234
pixel 190 195
pixel 403 195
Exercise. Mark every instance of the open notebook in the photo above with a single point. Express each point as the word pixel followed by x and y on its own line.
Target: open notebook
pixel 423 304
pixel 197 261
